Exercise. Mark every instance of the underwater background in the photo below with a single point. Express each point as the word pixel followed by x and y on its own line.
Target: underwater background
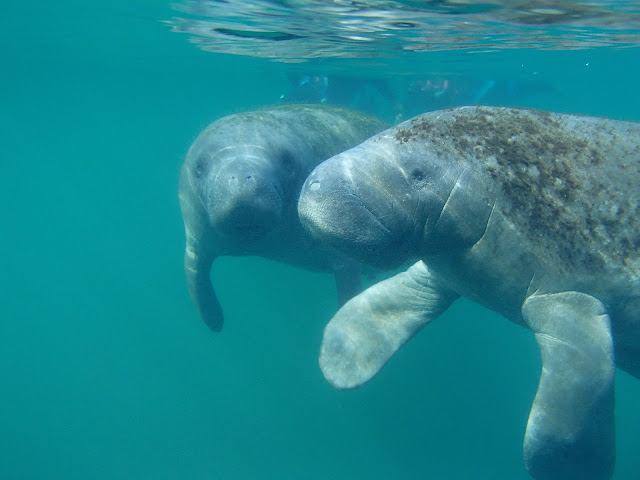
pixel 106 370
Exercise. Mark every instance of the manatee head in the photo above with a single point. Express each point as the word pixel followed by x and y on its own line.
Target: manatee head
pixel 241 191
pixel 234 198
pixel 385 202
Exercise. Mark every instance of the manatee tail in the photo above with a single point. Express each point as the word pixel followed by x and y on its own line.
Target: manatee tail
pixel 197 266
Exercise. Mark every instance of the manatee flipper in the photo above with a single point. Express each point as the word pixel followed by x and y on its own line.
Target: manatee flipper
pixel 197 267
pixel 373 325
pixel 348 281
pixel 570 432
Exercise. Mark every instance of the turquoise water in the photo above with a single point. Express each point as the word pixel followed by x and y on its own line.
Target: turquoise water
pixel 108 373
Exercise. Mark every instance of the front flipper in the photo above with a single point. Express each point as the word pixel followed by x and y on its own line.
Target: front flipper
pixel 570 433
pixel 197 267
pixel 372 326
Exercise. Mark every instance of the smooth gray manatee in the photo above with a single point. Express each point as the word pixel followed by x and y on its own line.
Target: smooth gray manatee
pixel 239 188
pixel 534 215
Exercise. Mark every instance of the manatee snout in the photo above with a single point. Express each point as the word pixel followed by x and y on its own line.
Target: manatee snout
pixel 314 203
pixel 328 205
pixel 244 199
pixel 352 213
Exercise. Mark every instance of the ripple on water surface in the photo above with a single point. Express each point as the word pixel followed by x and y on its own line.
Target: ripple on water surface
pixel 299 30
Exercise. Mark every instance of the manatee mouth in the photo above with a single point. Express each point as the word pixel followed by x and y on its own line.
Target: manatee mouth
pixel 246 225
pixel 332 224
pixel 248 212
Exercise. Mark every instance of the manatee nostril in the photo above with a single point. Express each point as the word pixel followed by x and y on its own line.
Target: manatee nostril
pixel 235 179
pixel 314 185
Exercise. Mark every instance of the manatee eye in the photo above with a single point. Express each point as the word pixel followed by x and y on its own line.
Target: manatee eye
pixel 200 166
pixel 417 175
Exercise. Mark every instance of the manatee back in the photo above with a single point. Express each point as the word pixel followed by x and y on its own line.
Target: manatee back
pixel 569 184
pixel 311 133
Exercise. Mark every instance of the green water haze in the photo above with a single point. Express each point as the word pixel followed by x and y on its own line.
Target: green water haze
pixel 106 370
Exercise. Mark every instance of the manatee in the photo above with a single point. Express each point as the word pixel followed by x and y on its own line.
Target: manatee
pixel 239 188
pixel 534 215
